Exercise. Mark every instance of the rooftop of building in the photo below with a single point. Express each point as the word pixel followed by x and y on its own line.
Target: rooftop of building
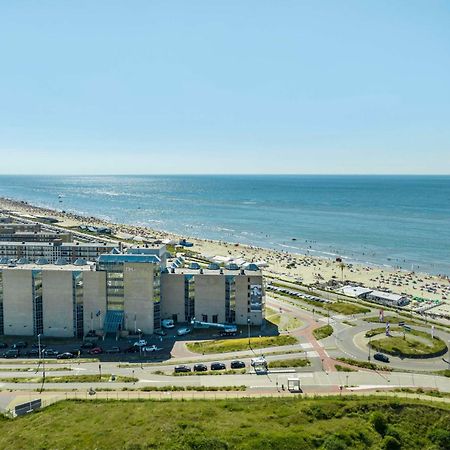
pixel 64 244
pixel 223 271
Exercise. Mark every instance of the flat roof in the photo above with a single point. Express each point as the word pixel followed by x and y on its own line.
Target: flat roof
pixel 53 267
pixel 387 295
pixel 187 271
pixel 64 244
pixel 355 291
pixel 126 257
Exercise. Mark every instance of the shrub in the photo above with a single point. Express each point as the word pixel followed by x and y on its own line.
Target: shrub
pixel 391 443
pixel 440 437
pixel 379 422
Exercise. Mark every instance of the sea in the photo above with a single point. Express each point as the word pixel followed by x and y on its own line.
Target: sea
pixel 391 221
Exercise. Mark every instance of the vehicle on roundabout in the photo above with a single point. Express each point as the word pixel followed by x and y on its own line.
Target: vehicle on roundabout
pixel 381 357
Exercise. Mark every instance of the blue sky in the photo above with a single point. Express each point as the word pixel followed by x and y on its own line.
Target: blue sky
pixel 234 86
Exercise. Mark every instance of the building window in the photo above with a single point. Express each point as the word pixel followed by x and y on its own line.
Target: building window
pixel 215 318
pixel 204 318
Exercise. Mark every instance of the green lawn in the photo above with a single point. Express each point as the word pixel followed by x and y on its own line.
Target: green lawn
pixel 286 363
pixel 392 320
pixel 323 332
pixel 381 330
pixel 68 379
pixel 340 368
pixel 235 345
pixel 409 346
pixel 248 423
pixel 346 308
pixel 364 364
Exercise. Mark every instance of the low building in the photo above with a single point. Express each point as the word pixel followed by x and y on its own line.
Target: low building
pixel 387 298
pixel 119 292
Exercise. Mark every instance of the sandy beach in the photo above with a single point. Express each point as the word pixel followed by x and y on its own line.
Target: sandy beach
pixel 308 269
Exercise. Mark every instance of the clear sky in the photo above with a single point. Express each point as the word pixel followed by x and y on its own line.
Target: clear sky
pixel 231 86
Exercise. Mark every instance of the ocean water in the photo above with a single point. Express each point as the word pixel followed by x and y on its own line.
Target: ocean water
pixel 400 221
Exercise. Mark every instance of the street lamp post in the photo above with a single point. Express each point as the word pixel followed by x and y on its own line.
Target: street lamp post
pixel 100 371
pixel 368 358
pixel 39 345
pixel 248 331
pixel 140 346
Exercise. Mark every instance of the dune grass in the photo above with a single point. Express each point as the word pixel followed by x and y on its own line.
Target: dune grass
pixel 346 308
pixel 286 363
pixel 249 423
pixel 235 345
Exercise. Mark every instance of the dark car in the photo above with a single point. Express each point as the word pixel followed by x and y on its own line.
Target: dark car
pixel 50 352
pixel 200 367
pixel 381 357
pixel 179 369
pixel 113 350
pixel 237 364
pixel 91 333
pixel 132 349
pixel 3 345
pixel 14 353
pixel 65 355
pixel 21 344
pixel 96 351
pixel 160 332
pixel 88 344
pixel 76 351
pixel 37 346
pixel 33 352
pixel 218 366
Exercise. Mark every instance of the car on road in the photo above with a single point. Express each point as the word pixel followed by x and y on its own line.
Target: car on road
pixel 183 331
pixel 167 323
pixel 33 353
pixel 21 344
pixel 160 332
pixel 65 355
pixel 49 352
pixel 140 343
pixel 237 364
pixel 96 351
pixel 179 369
pixel 88 344
pixel 151 348
pixel 113 350
pixel 381 357
pixel 200 367
pixel 218 366
pixel 13 353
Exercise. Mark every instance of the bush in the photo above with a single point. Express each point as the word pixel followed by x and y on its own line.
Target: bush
pixel 323 332
pixel 391 443
pixel 440 437
pixel 334 442
pixel 379 422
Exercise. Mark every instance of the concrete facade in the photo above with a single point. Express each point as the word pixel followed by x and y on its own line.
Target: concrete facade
pixel 172 295
pixel 138 295
pixel 94 297
pixel 18 302
pixel 210 298
pixel 57 303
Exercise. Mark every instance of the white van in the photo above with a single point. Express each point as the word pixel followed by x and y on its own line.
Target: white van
pixel 167 323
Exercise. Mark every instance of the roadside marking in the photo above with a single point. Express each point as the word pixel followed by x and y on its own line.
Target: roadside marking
pixel 306 345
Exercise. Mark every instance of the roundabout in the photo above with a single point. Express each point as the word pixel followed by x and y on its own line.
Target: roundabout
pixel 412 344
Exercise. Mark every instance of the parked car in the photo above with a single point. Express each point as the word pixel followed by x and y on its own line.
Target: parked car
pixel 36 345
pixel 140 343
pixel 113 350
pixel 218 366
pixel 237 364
pixel 179 369
pixel 3 345
pixel 167 323
pixel 183 331
pixel 160 332
pixel 34 352
pixel 76 352
pixel 151 348
pixel 20 344
pixel 65 355
pixel 50 352
pixel 381 357
pixel 88 344
pixel 132 349
pixel 200 368
pixel 96 351
pixel 14 353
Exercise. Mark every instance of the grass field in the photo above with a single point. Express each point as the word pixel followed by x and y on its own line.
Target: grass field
pixel 69 379
pixel 249 423
pixel 235 345
pixel 323 332
pixel 412 344
pixel 347 308
pixel 391 320
pixel 294 362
